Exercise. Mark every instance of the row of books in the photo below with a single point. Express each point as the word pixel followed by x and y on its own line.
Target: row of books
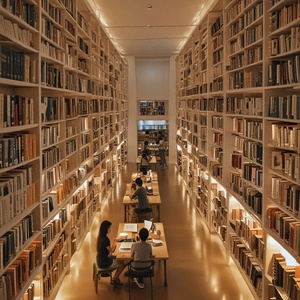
pixel 52 277
pixel 286 135
pixel 71 146
pixel 244 105
pixel 50 135
pixel 17 192
pixel 285 227
pixel 253 173
pixel 16 110
pixel 16 65
pixel 14 31
pixel 217 122
pixel 285 276
pixel 52 11
pixel 12 242
pixel 236 183
pixel 285 71
pixel 285 107
pixel 217 138
pixel 253 35
pixel 286 194
pixel 216 169
pixel 251 234
pixel 236 160
pixel 253 150
pixel 22 9
pixel 51 76
pixel 53 228
pixel 288 162
pixel 286 42
pixel 51 156
pixel 246 260
pixel 12 281
pixel 51 177
pixel 15 149
pixel 253 198
pixel 253 56
pixel 253 129
pixel 285 15
pixel 51 31
pixel 52 108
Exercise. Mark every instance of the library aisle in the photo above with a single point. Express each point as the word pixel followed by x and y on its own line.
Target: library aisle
pixel 197 268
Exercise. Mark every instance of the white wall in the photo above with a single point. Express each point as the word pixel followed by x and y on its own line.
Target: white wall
pixel 151 79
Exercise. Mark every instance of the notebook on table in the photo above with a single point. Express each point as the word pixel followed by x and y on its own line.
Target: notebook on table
pixel 130 227
pixel 125 246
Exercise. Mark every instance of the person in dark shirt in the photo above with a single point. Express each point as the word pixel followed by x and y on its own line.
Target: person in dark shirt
pixel 141 194
pixel 105 250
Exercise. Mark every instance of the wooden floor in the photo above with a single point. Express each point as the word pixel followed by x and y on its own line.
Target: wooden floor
pixel 197 268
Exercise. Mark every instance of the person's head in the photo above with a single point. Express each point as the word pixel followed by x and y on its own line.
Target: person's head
pixel 144 155
pixel 143 234
pixel 139 181
pixel 104 227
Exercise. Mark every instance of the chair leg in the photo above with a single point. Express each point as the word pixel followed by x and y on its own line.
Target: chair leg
pixel 129 288
pixel 151 288
pixel 96 283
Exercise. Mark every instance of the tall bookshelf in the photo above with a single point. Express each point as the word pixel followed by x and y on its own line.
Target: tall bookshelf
pixel 238 136
pixel 63 138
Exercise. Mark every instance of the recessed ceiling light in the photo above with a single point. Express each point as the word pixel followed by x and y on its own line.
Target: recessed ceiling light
pixel 149 6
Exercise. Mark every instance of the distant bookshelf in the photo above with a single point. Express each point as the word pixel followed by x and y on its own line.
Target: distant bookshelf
pixel 150 108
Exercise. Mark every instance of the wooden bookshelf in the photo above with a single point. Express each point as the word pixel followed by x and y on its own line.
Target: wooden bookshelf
pixel 238 131
pixel 63 138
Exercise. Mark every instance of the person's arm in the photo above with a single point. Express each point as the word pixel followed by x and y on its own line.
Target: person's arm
pixel 134 195
pixel 132 251
pixel 111 248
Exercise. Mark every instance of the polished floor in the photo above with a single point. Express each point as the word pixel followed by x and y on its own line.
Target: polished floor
pixel 197 268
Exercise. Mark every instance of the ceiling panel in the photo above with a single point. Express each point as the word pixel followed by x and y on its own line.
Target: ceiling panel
pixel 137 30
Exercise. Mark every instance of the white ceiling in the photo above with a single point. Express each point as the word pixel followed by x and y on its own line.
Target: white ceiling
pixel 157 32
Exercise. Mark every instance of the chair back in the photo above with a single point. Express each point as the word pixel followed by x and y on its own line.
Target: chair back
pixel 141 268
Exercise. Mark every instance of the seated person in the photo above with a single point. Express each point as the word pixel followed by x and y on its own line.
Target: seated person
pixel 145 165
pixel 105 250
pixel 141 251
pixel 146 149
pixel 141 194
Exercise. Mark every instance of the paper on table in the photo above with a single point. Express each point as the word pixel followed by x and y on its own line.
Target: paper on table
pixel 156 242
pixel 125 247
pixel 132 227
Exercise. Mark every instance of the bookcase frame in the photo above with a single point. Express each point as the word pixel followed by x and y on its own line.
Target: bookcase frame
pixel 243 175
pixel 63 137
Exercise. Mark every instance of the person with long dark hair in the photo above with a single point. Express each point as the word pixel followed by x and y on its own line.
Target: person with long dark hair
pixel 105 250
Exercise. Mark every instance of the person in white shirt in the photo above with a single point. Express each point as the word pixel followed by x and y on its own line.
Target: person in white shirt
pixel 141 251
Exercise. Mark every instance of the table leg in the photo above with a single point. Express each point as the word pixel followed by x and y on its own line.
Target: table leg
pixel 125 213
pixel 158 212
pixel 165 272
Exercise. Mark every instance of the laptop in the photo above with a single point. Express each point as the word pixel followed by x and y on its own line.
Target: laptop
pixel 148 224
pixel 130 227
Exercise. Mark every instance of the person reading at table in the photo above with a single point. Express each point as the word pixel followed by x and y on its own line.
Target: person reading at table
pixel 141 251
pixel 143 202
pixel 145 163
pixel 105 250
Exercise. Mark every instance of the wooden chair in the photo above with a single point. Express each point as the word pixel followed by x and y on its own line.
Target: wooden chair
pixel 98 272
pixel 140 269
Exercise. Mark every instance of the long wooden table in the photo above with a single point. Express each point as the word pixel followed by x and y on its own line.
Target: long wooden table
pixel 152 162
pixel 159 252
pixel 146 178
pixel 154 200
